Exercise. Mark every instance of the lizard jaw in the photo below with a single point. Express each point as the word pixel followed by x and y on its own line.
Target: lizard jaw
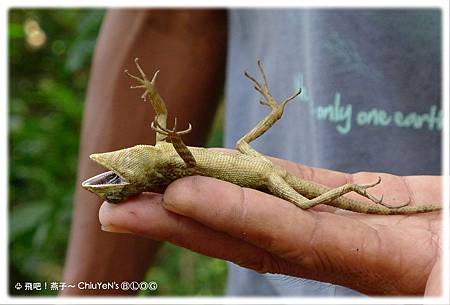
pixel 109 178
pixel 111 185
pixel 108 185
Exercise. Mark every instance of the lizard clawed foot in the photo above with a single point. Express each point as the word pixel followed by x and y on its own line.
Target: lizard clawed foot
pixel 394 207
pixel 144 82
pixel 263 89
pixel 362 190
pixel 169 133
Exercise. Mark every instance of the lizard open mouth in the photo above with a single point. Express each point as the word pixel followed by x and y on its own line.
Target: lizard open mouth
pixel 107 178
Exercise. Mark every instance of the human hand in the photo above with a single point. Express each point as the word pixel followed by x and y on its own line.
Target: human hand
pixel 373 254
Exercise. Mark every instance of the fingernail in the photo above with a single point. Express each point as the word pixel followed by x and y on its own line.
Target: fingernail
pixel 114 229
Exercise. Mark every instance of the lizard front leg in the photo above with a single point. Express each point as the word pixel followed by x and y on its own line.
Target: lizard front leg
pixel 173 136
pixel 275 114
pixel 155 99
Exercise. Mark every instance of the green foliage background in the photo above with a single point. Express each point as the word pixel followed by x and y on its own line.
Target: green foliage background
pixel 46 93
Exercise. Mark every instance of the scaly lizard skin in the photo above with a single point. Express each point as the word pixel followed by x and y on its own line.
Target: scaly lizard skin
pixel 145 168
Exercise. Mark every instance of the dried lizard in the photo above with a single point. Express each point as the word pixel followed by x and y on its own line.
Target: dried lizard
pixel 145 167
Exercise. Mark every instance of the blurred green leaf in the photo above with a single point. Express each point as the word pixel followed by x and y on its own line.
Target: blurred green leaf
pixel 25 218
pixel 216 134
pixel 46 103
pixel 78 54
pixel 15 31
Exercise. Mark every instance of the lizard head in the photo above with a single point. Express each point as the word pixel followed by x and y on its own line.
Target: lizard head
pixel 131 171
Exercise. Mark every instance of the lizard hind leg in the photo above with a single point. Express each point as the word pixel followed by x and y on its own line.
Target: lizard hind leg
pixel 290 191
pixel 361 189
pixel 263 89
pixel 280 188
pixel 275 114
pixel 337 192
